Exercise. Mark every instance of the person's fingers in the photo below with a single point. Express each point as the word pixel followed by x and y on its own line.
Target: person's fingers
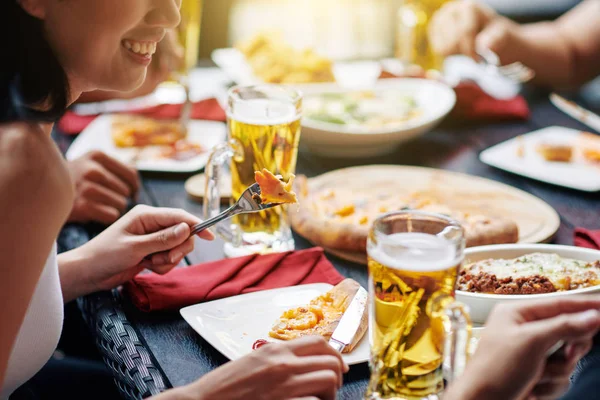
pixel 498 37
pixel 577 349
pixel 315 363
pixel 101 175
pixel 470 27
pixel 553 390
pixel 322 384
pixel 541 309
pixel 315 345
pixel 99 194
pixel 164 239
pixel 126 173
pixel 161 269
pixel 156 218
pixel 574 326
pixel 102 213
pixel 175 255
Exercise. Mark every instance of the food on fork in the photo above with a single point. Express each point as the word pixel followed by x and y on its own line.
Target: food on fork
pixel 339 218
pixel 555 152
pixel 137 131
pixel 273 190
pixel 274 61
pixel 529 274
pixel 321 316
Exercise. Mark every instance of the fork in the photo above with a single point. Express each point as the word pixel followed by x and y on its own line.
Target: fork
pixel 248 202
pixel 516 71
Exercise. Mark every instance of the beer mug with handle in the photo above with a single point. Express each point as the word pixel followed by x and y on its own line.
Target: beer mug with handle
pixel 263 124
pixel 416 328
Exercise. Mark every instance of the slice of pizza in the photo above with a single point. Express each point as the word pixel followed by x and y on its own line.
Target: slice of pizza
pixel 136 131
pixel 529 274
pixel 321 316
pixel 273 190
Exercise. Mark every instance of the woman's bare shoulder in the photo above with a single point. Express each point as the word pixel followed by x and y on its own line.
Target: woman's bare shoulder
pixel 31 164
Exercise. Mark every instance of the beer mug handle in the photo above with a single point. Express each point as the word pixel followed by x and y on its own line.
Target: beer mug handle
pixel 215 171
pixel 457 324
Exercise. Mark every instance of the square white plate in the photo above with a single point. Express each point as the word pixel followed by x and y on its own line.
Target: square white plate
pixel 97 136
pixel 576 174
pixel 233 324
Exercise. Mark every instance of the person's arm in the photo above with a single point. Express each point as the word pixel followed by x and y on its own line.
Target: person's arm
pixel 563 53
pixel 35 199
pixel 511 362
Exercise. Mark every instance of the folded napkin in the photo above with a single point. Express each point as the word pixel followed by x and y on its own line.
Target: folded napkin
pixel 473 104
pixel 208 109
pixel 587 238
pixel 230 277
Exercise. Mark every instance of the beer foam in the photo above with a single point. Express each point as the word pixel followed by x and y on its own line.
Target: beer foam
pixel 415 252
pixel 264 112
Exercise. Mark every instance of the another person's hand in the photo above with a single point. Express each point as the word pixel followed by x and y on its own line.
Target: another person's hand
pixel 306 368
pixel 460 27
pixel 511 358
pixel 145 238
pixel 102 187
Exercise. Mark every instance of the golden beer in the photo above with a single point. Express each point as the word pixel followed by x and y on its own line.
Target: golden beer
pixel 263 124
pixel 412 41
pixel 274 147
pixel 189 32
pixel 412 273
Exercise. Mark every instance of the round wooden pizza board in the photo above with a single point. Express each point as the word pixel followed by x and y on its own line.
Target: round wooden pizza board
pixel 537 221
pixel 195 187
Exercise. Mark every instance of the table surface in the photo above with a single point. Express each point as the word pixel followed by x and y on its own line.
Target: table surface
pixel 183 356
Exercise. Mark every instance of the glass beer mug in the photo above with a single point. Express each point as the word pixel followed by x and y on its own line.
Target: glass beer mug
pixel 416 328
pixel 263 124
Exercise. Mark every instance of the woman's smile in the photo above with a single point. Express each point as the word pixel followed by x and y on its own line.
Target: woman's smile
pixel 140 51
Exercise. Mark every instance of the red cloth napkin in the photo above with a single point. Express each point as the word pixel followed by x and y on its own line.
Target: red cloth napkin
pixel 473 104
pixel 208 109
pixel 230 277
pixel 587 238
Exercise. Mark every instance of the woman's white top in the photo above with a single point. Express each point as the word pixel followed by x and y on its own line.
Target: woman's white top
pixel 40 331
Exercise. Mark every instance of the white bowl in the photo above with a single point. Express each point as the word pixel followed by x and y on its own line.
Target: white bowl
pixel 435 100
pixel 480 305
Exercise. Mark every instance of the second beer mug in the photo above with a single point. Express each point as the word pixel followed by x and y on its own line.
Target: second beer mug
pixel 263 125
pixel 415 325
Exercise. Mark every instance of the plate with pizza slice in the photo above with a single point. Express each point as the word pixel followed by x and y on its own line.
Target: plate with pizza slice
pixel 148 144
pixel 336 209
pixel 237 325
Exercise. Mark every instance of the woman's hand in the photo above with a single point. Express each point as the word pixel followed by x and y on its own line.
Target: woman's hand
pixel 460 27
pixel 146 237
pixel 102 187
pixel 511 361
pixel 306 368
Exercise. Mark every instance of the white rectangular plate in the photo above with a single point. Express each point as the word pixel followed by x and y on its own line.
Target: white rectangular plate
pixel 576 174
pixel 233 324
pixel 97 136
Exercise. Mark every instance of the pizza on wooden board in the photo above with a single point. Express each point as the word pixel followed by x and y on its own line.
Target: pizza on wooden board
pixel 340 218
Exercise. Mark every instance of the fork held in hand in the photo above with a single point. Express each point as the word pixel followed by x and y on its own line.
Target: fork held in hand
pixel 248 202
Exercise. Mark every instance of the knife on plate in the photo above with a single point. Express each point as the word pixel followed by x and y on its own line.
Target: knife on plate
pixel 576 111
pixel 346 330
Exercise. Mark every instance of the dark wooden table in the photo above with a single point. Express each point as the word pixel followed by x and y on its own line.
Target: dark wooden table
pixel 182 356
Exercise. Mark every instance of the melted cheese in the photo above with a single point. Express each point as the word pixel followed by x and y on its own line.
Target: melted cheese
pixel 135 131
pixel 564 273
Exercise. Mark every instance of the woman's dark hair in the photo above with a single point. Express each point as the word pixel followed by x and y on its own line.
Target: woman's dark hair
pixel 30 73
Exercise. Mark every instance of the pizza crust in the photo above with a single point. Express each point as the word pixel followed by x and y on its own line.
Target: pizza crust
pixel 351 235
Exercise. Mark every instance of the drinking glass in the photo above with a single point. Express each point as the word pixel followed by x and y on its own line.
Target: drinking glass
pixel 416 328
pixel 263 124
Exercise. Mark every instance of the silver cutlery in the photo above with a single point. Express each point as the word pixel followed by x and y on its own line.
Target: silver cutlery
pixel 344 333
pixel 576 111
pixel 248 202
pixel 516 71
